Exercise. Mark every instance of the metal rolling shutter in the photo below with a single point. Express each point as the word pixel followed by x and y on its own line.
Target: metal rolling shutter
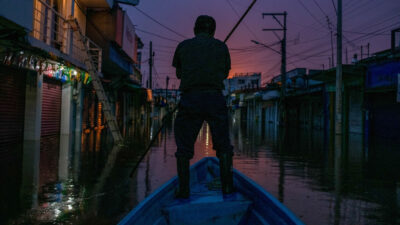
pixel 12 106
pixel 384 115
pixel 50 131
pixel 51 107
pixel 12 109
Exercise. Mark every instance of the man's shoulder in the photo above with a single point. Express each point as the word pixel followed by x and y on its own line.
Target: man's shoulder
pixel 192 42
pixel 186 42
pixel 219 41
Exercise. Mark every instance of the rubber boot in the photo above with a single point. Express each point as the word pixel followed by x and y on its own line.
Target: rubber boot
pixel 225 166
pixel 183 191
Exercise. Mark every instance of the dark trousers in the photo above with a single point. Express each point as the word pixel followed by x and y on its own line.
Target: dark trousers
pixel 194 109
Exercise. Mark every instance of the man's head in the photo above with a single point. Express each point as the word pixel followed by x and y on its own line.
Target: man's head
pixel 205 24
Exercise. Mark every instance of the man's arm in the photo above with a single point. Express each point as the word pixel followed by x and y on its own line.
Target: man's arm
pixel 176 62
pixel 227 62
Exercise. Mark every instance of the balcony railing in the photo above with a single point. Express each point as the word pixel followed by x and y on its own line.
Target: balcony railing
pixel 65 35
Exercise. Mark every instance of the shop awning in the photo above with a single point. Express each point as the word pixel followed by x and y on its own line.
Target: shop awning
pixel 132 86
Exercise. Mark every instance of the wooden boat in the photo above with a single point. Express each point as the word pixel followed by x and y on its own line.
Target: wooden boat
pixel 250 204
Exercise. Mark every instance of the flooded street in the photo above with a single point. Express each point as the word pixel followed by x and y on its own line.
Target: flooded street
pixel 320 184
pixel 302 168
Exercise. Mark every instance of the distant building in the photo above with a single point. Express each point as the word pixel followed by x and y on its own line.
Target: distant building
pixel 297 79
pixel 294 78
pixel 162 96
pixel 242 81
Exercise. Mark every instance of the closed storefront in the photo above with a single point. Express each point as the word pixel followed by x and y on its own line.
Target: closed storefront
pixel 383 109
pixel 12 107
pixel 51 107
pixel 384 115
pixel 50 130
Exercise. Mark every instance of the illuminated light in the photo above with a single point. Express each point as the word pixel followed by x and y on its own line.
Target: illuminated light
pixel 57 212
pixel 207 138
pixel 149 95
pixel 74 72
pixel 70 207
pixel 62 68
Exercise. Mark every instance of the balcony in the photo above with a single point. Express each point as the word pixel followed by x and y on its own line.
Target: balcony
pixel 97 3
pixel 62 36
pixel 106 3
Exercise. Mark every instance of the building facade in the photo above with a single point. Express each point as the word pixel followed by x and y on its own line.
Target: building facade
pixel 48 104
pixel 242 81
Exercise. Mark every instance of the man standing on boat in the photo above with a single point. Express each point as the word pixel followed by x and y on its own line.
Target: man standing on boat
pixel 202 63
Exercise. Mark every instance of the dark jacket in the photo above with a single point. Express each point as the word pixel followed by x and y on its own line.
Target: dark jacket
pixel 202 63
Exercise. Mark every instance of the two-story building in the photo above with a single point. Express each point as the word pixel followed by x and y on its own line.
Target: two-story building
pixel 46 90
pixel 242 81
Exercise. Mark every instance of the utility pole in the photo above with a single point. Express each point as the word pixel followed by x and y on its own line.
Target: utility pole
pixel 330 28
pixel 362 53
pixel 151 66
pixel 283 28
pixel 347 57
pixel 330 62
pixel 339 71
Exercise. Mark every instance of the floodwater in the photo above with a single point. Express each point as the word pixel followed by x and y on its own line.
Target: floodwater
pixel 321 180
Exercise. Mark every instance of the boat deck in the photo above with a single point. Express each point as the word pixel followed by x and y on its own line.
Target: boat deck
pixel 207 206
pixel 250 204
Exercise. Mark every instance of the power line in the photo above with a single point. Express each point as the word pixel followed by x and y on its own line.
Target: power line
pixel 150 17
pixel 309 12
pixel 356 39
pixel 165 46
pixel 245 24
pixel 323 12
pixel 355 32
pixel 375 33
pixel 334 6
pixel 157 35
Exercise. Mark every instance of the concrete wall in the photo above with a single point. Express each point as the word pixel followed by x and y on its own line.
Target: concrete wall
pixel 31 149
pixel 355 102
pixel 66 132
pixel 18 11
pixel 271 112
pixel 79 13
pixel 317 115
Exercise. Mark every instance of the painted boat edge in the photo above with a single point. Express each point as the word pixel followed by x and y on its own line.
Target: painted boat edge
pixel 270 197
pixel 243 177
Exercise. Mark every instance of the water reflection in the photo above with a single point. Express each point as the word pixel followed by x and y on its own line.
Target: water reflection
pixel 323 180
pixel 87 184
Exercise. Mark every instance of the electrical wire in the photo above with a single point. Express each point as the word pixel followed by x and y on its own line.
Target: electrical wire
pixel 237 14
pixel 323 12
pixel 311 14
pixel 363 37
pixel 157 35
pixel 334 7
pixel 159 23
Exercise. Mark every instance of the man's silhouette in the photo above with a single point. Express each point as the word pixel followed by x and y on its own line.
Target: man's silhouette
pixel 202 63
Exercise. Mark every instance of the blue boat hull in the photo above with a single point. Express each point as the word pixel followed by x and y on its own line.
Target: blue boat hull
pixel 251 204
